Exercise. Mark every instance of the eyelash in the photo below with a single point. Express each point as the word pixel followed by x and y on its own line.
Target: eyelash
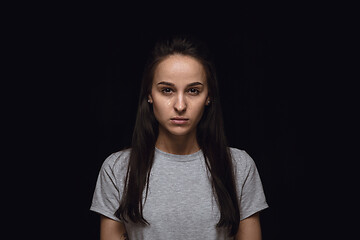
pixel 166 91
pixel 196 91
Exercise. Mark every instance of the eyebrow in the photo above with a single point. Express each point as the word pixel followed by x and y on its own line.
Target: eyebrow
pixel 173 85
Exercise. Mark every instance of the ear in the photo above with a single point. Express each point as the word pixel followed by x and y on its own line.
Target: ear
pixel 150 99
pixel 207 103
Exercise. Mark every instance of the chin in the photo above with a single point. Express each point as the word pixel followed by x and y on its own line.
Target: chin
pixel 179 131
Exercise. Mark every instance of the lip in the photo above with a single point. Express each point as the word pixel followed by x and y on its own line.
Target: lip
pixel 179 120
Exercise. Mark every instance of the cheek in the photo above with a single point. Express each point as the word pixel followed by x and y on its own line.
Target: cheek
pixel 161 108
pixel 198 109
pixel 200 112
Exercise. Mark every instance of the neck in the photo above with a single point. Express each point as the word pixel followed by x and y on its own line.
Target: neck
pixel 179 145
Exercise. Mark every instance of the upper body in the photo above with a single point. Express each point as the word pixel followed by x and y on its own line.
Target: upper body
pixel 179 180
pixel 180 203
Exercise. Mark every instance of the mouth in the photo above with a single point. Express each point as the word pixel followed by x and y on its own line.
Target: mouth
pixel 179 120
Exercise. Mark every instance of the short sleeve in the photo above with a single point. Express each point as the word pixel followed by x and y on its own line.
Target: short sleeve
pixel 106 198
pixel 250 190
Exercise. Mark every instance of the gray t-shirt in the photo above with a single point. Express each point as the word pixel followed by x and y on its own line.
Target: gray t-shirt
pixel 180 202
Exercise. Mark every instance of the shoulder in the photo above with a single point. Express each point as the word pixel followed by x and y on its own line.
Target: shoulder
pixel 240 157
pixel 117 161
pixel 242 162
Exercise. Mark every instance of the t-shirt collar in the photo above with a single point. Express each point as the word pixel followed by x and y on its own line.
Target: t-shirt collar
pixel 177 158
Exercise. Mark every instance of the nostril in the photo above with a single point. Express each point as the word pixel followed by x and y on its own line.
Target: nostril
pixel 180 106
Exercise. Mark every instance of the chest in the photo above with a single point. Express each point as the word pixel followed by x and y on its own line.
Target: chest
pixel 180 193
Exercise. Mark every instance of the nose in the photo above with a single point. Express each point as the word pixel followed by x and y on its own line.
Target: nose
pixel 180 104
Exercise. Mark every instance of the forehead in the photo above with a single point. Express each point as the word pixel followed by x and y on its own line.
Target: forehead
pixel 179 69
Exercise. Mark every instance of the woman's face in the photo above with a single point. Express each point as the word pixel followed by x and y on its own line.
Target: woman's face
pixel 179 94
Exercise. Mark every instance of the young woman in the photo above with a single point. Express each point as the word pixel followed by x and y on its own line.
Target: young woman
pixel 179 180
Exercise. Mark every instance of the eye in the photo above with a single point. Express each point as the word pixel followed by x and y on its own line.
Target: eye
pixel 193 91
pixel 166 90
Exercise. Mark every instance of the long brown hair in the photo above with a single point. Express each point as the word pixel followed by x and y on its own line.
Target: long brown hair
pixel 210 137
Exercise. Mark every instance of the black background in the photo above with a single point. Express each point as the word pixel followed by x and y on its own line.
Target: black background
pixel 83 109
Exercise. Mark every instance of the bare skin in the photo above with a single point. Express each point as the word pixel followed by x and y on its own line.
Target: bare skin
pixel 179 91
pixel 249 228
pixel 112 230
